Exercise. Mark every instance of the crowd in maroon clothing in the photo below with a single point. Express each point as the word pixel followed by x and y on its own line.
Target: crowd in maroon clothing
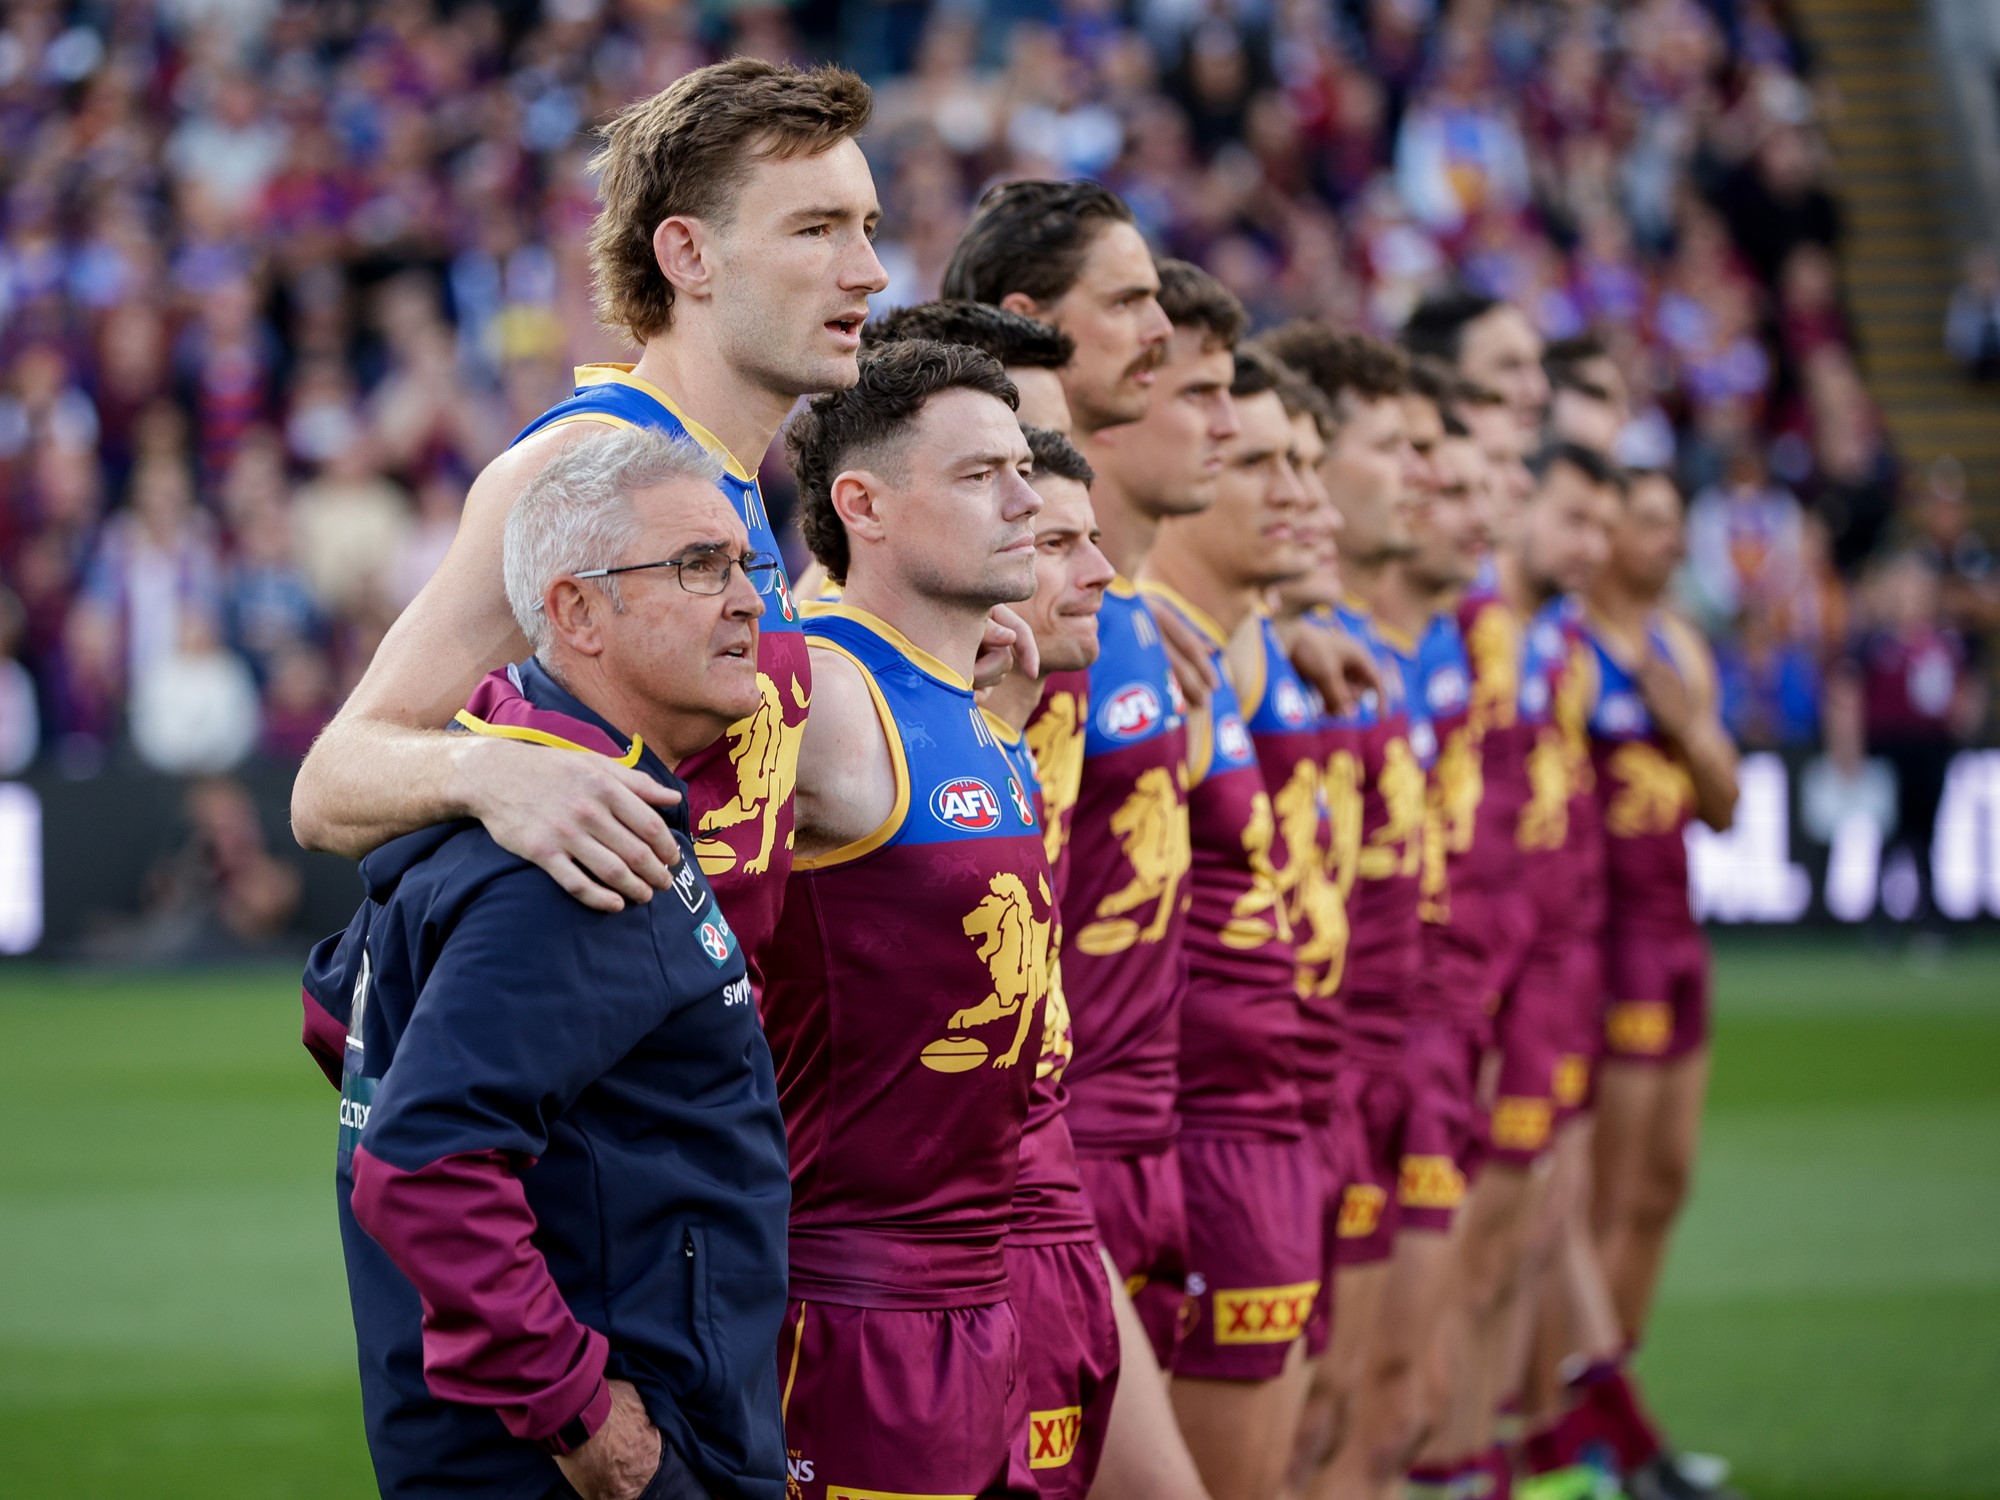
pixel 279 277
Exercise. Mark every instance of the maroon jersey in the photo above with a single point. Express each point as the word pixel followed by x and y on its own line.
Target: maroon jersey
pixel 1910 681
pixel 1055 735
pixel 1125 896
pixel 1049 1206
pixel 1645 794
pixel 1289 726
pixel 1372 747
pixel 1240 1023
pixel 1560 829
pixel 1494 643
pixel 904 1002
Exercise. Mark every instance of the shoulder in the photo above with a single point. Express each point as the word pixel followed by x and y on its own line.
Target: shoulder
pixel 502 480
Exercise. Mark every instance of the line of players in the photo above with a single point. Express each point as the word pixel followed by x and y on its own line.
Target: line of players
pixel 1187 1055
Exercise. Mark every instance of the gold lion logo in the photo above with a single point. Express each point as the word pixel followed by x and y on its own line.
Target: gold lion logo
pixel 1544 821
pixel 1152 830
pixel 1013 943
pixel 1654 794
pixel 1398 845
pixel 764 753
pixel 1056 737
pixel 1494 645
pixel 1259 913
pixel 1058 1046
pixel 1343 810
pixel 1457 784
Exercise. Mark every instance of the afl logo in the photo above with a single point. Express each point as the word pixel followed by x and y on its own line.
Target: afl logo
pixel 1448 690
pixel 1130 712
pixel 1290 703
pixel 967 803
pixel 714 940
pixel 1232 739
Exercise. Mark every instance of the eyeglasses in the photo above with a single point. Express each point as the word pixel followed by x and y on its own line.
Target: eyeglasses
pixel 707 572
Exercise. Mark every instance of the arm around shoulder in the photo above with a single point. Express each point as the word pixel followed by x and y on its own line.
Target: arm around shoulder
pixel 849 778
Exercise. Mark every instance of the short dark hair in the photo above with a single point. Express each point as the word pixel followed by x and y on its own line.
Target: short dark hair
pixel 1302 397
pixel 1437 325
pixel 1593 465
pixel 1439 384
pixel 1563 362
pixel 839 427
pixel 1057 455
pixel 1257 374
pixel 1030 237
pixel 688 150
pixel 1016 340
pixel 1342 367
pixel 1191 298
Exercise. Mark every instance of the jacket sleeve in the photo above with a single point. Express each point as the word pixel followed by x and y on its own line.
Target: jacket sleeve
pixel 323 999
pixel 532 999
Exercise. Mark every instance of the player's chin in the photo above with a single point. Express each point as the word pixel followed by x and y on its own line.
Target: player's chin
pixel 732 686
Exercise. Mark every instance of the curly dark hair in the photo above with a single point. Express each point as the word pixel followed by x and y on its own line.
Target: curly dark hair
pixel 1191 298
pixel 1016 340
pixel 1057 455
pixel 1030 237
pixel 840 429
pixel 1342 367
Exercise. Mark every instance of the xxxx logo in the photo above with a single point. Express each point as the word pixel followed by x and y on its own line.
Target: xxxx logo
pixel 1430 1182
pixel 1052 1436
pixel 1639 1028
pixel 1572 1081
pixel 1361 1210
pixel 1520 1123
pixel 1264 1315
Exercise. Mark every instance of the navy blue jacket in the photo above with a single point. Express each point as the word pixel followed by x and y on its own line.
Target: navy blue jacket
pixel 561 1156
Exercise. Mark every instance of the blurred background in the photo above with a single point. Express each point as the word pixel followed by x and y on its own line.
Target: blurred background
pixel 277 279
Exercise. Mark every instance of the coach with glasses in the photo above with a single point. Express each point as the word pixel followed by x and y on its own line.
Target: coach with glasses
pixel 562 1177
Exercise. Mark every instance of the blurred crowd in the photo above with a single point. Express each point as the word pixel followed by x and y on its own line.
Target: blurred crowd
pixel 278 278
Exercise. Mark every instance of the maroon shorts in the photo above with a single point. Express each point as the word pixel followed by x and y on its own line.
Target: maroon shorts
pixel 1142 1222
pixel 1337 1149
pixel 1506 920
pixel 1254 1207
pixel 1456 976
pixel 1548 1036
pixel 913 1403
pixel 1658 992
pixel 1375 1098
pixel 1442 1061
pixel 1069 1357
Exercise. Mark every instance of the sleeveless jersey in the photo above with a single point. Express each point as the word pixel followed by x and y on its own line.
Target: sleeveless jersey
pixel 1049 1206
pixel 904 1002
pixel 1382 902
pixel 1440 683
pixel 1240 1022
pixel 1288 726
pixel 1645 794
pixel 740 787
pixel 1125 896
pixel 1055 734
pixel 1560 828
pixel 1494 648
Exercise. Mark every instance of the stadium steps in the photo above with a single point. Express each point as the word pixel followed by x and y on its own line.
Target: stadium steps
pixel 1892 164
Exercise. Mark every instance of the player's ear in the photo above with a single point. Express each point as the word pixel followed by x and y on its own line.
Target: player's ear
pixel 576 614
pixel 680 249
pixel 856 495
pixel 1022 303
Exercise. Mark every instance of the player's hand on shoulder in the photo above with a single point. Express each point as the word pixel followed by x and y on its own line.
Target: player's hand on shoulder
pixel 621 1457
pixel 591 823
pixel 1008 643
pixel 1666 694
pixel 1188 654
pixel 1336 664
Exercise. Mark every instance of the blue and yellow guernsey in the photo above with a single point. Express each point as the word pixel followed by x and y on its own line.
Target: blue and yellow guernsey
pixel 740 787
pixel 904 1001
pixel 1126 890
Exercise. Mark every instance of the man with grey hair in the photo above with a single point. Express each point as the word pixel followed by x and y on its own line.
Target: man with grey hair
pixel 562 1175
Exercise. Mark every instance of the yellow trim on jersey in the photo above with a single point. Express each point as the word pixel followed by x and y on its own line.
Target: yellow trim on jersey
pixel 477 725
pixel 842 1492
pixel 792 1375
pixel 602 418
pixel 612 373
pixel 1198 617
pixel 1121 586
pixel 1004 732
pixel 848 853
pixel 919 658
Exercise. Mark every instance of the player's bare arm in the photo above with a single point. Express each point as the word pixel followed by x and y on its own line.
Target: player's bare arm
pixel 1685 707
pixel 847 781
pixel 385 766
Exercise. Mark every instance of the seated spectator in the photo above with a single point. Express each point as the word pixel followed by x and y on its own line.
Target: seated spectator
pixel 20 715
pixel 1746 552
pixel 195 712
pixel 1769 687
pixel 1958 554
pixel 1972 321
pixel 352 522
pixel 155 568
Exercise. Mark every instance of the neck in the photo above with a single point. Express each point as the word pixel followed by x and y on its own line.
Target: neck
pixel 949 629
pixel 1368 579
pixel 1014 698
pixel 1625 611
pixel 1127 533
pixel 1185 570
pixel 1398 602
pixel 1515 586
pixel 743 415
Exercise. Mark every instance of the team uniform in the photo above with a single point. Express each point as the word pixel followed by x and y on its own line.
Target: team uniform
pixel 1656 967
pixel 1252 1180
pixel 1318 835
pixel 1125 907
pixel 740 787
pixel 903 1004
pixel 1372 750
pixel 1447 1008
pixel 1055 1278
pixel 1550 1019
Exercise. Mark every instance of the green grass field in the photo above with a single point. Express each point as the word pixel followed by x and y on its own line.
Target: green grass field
pixel 173 1318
